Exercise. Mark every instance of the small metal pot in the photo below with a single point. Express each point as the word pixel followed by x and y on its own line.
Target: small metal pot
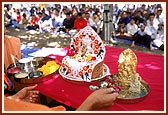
pixel 35 74
pixel 19 76
pixel 26 64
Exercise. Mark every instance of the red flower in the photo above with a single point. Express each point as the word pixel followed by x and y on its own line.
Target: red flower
pixel 93 58
pixel 92 37
pixel 81 36
pixel 77 48
pixel 96 46
pixel 85 68
pixel 76 43
pixel 77 39
pixel 69 70
pixel 96 41
pixel 80 73
pixel 90 70
pixel 96 52
pixel 63 65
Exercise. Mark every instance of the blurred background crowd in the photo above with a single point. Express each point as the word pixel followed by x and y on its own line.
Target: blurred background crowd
pixel 128 20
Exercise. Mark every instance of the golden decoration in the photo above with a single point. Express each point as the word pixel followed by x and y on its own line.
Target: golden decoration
pixel 130 80
pixel 127 66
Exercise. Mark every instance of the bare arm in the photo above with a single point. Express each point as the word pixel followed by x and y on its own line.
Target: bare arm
pixel 98 99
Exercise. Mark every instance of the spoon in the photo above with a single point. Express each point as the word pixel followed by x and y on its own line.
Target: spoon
pixel 103 84
pixel 92 87
pixel 13 59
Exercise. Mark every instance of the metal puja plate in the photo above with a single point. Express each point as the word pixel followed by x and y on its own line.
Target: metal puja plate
pixel 134 97
pixel 33 79
pixel 75 79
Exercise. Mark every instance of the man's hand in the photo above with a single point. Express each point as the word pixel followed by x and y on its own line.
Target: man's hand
pixel 27 94
pixel 99 99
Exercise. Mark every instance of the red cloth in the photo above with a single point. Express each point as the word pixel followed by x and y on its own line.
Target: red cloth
pixel 80 23
pixel 150 67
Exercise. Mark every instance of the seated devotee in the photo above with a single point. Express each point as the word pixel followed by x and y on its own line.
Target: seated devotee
pixel 151 30
pixel 9 20
pixel 24 21
pixel 33 24
pixel 131 28
pixel 95 20
pixel 54 22
pixel 45 16
pixel 99 23
pixel 90 21
pixel 68 22
pixel 159 17
pixel 152 21
pixel 43 22
pixel 124 18
pixel 138 17
pixel 80 22
pixel 159 41
pixel 121 29
pixel 142 37
pixel 18 17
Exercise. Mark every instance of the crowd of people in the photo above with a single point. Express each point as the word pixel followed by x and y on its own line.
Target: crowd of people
pixel 143 24
pixel 127 20
pixel 51 19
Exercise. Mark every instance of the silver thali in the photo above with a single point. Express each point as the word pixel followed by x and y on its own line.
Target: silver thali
pixel 134 97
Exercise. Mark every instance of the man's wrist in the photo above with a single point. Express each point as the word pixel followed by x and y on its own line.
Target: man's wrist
pixel 13 97
pixel 87 105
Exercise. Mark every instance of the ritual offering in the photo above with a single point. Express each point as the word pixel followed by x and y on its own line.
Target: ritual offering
pixel 49 68
pixel 14 70
pixel 21 75
pixel 133 88
pixel 85 62
pixel 35 74
pixel 26 64
pixel 107 82
pixel 34 69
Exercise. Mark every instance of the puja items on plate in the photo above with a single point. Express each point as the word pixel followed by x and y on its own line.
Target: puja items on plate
pixel 108 81
pixel 130 80
pixel 49 68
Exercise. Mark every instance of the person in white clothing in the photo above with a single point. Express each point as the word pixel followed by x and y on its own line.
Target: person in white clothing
pixel 159 19
pixel 152 18
pixel 151 30
pixel 159 41
pixel 142 37
pixel 131 28
pixel 90 21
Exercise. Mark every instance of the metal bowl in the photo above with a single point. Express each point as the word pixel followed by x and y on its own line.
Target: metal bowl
pixel 35 74
pixel 21 75
pixel 14 70
pixel 135 98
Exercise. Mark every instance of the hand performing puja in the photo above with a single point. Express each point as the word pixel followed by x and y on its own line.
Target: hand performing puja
pixel 99 99
pixel 27 94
